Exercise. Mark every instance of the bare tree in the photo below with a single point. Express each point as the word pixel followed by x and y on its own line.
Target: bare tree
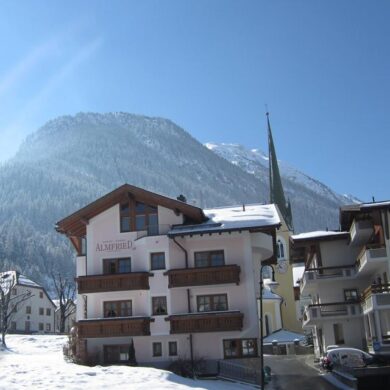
pixel 9 301
pixel 66 291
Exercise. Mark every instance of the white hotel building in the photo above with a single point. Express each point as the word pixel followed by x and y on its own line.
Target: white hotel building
pixel 347 278
pixel 173 279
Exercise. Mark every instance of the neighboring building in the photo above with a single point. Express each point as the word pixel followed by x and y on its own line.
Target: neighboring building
pixel 169 278
pixel 34 315
pixel 346 276
pixel 70 319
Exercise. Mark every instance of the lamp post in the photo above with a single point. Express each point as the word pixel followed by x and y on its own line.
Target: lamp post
pixel 274 283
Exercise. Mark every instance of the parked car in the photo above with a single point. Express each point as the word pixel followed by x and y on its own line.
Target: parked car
pixel 324 362
pixel 347 357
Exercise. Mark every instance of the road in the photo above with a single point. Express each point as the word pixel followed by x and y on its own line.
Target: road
pixel 291 373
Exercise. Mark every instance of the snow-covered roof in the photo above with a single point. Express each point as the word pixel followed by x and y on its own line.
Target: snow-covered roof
pixel 318 234
pixel 20 279
pixel 233 218
pixel 283 336
pixel 268 294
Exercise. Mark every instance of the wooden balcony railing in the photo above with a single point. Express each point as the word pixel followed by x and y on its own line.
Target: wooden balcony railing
pixel 203 276
pixel 206 322
pixel 114 327
pixel 113 282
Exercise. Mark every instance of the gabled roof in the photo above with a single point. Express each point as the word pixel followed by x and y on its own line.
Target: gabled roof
pixel 22 280
pixel 349 212
pixel 227 219
pixel 75 224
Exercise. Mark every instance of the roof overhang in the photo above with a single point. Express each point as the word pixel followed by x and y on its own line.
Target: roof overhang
pixel 348 213
pixel 75 224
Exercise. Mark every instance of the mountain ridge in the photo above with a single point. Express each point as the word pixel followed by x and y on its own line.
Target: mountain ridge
pixel 72 160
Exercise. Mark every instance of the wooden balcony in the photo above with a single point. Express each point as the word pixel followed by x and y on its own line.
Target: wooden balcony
pixel 114 327
pixel 206 322
pixel 203 276
pixel 113 282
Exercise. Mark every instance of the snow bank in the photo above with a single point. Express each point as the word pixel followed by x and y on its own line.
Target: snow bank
pixel 36 362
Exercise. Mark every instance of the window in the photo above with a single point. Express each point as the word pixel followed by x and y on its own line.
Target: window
pixel 48 312
pixel 13 325
pixel 83 246
pixel 117 309
pixel 117 266
pixel 28 309
pixel 209 258
pixel 157 261
pixel 351 295
pixel 48 328
pixel 138 216
pixel 238 348
pixel 212 302
pixel 40 294
pixel 41 326
pixel 41 311
pixel 248 347
pixel 14 309
pixel 116 353
pixel 338 333
pixel 157 349
pixel 159 306
pixel 280 249
pixel 172 348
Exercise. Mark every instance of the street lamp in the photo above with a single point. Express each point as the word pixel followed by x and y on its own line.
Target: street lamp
pixel 272 283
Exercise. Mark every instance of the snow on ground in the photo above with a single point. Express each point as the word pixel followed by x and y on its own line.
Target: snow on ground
pixel 36 362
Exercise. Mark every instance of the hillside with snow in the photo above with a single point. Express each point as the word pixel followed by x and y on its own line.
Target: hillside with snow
pixel 72 160
pixel 36 362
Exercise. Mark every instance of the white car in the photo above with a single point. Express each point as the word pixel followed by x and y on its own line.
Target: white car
pixel 348 357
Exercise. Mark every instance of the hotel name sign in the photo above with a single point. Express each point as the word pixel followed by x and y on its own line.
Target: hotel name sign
pixel 113 245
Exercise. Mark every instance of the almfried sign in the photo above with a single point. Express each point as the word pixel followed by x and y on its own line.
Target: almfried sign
pixel 113 246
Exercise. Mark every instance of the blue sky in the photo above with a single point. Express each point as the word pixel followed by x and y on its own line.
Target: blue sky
pixel 323 68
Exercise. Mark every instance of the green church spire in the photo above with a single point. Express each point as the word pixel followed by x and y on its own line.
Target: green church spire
pixel 275 182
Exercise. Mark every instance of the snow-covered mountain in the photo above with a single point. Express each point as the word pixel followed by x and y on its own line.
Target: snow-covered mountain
pixel 254 161
pixel 72 160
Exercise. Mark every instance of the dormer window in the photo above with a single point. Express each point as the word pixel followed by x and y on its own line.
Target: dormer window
pixel 136 216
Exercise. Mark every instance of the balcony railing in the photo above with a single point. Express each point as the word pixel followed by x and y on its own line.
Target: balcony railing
pixel 153 230
pixel 206 322
pixel 371 255
pixel 326 273
pixel 361 231
pixel 320 311
pixel 203 276
pixel 113 282
pixel 114 327
pixel 376 296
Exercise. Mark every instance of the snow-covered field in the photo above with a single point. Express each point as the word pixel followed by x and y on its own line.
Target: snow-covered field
pixel 36 362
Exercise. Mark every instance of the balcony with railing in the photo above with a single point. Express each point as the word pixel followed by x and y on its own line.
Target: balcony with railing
pixel 114 327
pixel 361 231
pixel 206 322
pixel 113 282
pixel 201 276
pixel 153 230
pixel 312 276
pixel 325 311
pixel 376 297
pixel 370 257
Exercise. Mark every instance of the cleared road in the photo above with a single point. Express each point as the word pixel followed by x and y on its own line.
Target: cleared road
pixel 291 373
